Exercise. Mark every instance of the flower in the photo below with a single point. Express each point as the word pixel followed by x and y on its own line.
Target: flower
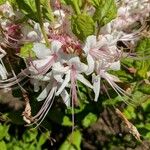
pixel 73 71
pixel 46 57
pixel 7 10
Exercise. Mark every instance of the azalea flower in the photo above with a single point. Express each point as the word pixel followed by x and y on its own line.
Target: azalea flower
pixel 46 57
pixel 73 71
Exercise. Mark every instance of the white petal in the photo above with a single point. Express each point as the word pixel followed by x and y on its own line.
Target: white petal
pixel 41 50
pixel 90 42
pixel 33 36
pixel 96 85
pixel 3 72
pixel 91 65
pixel 112 77
pixel 37 64
pixel 115 66
pixel 65 97
pixel 58 67
pixel 80 67
pixel 59 13
pixel 41 77
pixel 44 93
pixel 64 84
pixel 37 29
pixel 55 46
pixel 84 81
pixel 58 77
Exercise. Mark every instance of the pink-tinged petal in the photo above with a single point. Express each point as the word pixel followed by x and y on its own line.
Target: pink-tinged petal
pixel 64 84
pixel 91 65
pixel 96 85
pixel 41 50
pixel 55 46
pixel 79 66
pixel 115 66
pixel 66 98
pixel 84 81
pixel 39 64
pixel 73 87
pixel 44 93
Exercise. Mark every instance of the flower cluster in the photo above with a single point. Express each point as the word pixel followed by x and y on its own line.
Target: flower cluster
pixel 60 59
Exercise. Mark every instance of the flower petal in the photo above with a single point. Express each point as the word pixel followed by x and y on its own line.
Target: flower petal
pixel 41 50
pixel 3 72
pixel 84 81
pixel 64 84
pixel 96 85
pixel 55 46
pixel 90 42
pixel 91 63
pixel 115 66
pixel 44 93
pixel 65 96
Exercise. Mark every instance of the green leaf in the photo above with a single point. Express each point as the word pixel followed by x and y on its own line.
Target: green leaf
pixel 28 8
pixel 3 145
pixel 129 112
pixel 143 45
pixel 89 119
pixel 3 131
pixel 43 138
pixel 66 121
pixel 30 135
pixel 46 10
pixel 26 51
pixel 106 11
pixel 143 65
pixel 145 88
pixel 82 26
pixel 72 142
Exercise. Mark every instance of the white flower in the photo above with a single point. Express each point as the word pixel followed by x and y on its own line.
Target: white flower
pixel 60 15
pixel 7 10
pixel 46 57
pixel 72 71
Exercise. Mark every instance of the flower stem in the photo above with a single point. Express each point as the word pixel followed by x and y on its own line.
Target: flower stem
pixel 39 15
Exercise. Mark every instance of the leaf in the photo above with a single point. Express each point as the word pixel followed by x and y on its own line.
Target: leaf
pixel 142 50
pixel 143 45
pixel 106 11
pixel 145 88
pixel 28 8
pixel 30 135
pixel 89 119
pixel 3 131
pixel 82 26
pixel 43 138
pixel 129 112
pixel 26 51
pixel 67 121
pixel 72 142
pixel 3 145
pixel 46 10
